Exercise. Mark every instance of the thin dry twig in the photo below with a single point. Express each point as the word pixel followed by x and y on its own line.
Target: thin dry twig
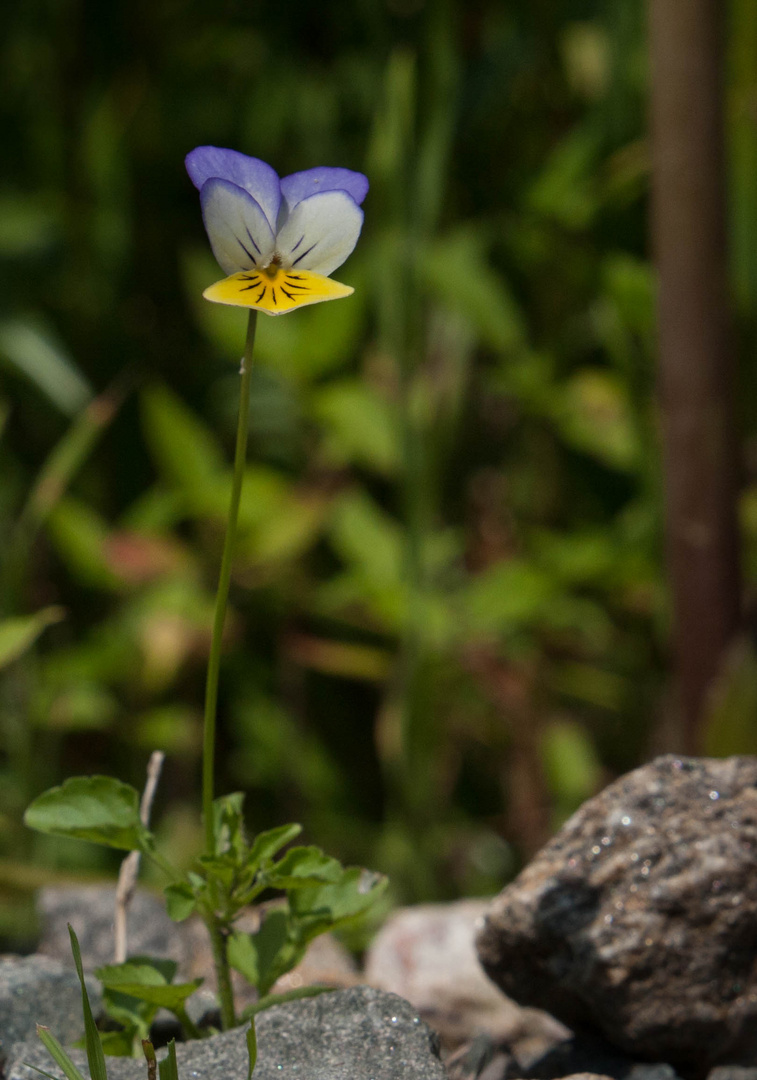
pixel 127 875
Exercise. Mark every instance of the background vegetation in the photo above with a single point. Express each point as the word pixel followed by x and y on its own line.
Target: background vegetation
pixel 450 622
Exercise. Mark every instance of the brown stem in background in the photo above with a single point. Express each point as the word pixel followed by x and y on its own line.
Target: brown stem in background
pixel 512 689
pixel 695 364
pixel 127 875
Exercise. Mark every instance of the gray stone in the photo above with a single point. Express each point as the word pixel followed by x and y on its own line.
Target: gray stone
pixel 356 1034
pixel 37 990
pixel 427 955
pixel 90 910
pixel 640 916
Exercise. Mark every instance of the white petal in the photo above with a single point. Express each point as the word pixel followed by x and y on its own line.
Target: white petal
pixel 321 232
pixel 238 229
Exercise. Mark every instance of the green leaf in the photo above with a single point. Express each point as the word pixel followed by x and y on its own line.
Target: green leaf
pixel 59 1055
pixel 228 824
pixel 362 426
pixel 276 950
pixel 252 1048
pixel 148 980
pixel 269 843
pixel 95 808
pixel 185 449
pixel 171 997
pixel 95 1053
pixel 148 970
pixel 17 635
pixel 180 901
pixel 44 361
pixel 243 955
pixel 302 865
pixel 323 907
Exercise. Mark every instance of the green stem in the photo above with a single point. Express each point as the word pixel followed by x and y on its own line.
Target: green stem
pixel 218 943
pixel 214 662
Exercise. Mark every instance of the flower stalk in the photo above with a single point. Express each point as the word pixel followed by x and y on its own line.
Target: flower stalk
pixel 222 596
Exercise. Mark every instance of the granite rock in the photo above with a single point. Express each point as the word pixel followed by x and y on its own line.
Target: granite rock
pixel 640 917
pixel 426 954
pixel 355 1034
pixel 37 990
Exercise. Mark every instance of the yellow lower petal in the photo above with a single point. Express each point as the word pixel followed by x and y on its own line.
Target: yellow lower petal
pixel 275 290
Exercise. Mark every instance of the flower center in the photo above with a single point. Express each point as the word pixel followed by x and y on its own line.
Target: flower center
pixel 272 270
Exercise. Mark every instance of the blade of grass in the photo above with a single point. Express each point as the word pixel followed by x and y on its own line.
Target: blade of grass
pixel 168 1068
pixel 252 1048
pixel 95 1053
pixel 59 1055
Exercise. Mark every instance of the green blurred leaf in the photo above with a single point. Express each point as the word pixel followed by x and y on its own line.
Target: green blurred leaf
pixel 366 536
pixel 80 536
pixel 46 363
pixel 185 449
pixel 180 901
pixel 570 762
pixel 17 635
pixel 95 808
pixel 362 427
pixel 594 416
pixel 457 270
pixel 730 722
pixel 508 596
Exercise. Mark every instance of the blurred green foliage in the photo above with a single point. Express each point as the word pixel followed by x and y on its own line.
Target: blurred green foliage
pixel 449 621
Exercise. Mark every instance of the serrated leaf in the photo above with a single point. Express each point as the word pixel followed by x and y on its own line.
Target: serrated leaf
pixel 95 808
pixel 269 843
pixel 323 907
pixel 302 865
pixel 180 901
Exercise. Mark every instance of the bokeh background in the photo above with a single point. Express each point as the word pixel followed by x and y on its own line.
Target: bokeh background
pixel 450 621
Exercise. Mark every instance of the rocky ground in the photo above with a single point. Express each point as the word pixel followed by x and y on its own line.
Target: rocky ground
pixel 627 948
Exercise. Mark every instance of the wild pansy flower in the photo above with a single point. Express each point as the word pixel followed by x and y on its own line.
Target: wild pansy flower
pixel 278 240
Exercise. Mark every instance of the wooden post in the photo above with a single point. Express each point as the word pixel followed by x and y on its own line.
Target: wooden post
pixel 695 355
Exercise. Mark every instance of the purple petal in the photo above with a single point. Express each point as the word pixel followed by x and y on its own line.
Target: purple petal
pixel 254 176
pixel 301 185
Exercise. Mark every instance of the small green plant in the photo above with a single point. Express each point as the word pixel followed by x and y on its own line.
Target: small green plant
pixel 164 1070
pixel 278 240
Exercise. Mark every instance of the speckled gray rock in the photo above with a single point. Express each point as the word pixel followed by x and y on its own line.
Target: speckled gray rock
pixel 90 910
pixel 37 990
pixel 640 916
pixel 356 1034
